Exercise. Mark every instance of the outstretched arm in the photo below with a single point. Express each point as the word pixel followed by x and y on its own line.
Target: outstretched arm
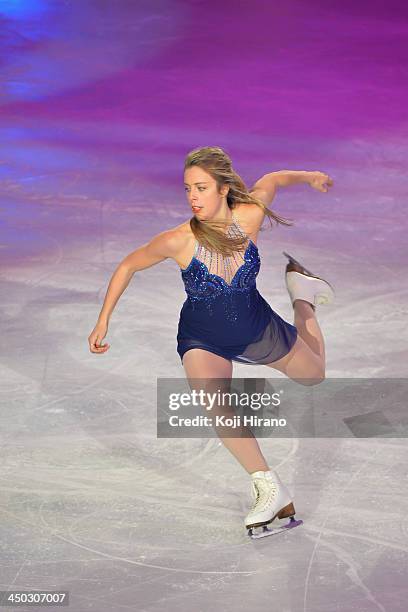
pixel 158 249
pixel 319 180
pixel 269 183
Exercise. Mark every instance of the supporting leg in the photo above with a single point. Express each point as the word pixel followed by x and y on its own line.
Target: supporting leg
pixel 199 363
pixel 247 452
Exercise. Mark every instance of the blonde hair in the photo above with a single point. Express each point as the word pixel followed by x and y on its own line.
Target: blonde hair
pixel 218 164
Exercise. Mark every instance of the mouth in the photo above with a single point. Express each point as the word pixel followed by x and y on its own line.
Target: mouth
pixel 196 208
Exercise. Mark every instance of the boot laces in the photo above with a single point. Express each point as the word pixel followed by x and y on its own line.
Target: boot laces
pixel 264 493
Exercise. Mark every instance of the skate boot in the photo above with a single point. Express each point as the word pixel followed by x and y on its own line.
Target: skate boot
pixel 271 500
pixel 304 285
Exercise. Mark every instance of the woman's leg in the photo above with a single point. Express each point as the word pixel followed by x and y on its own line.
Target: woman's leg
pixel 199 363
pixel 306 323
pixel 306 362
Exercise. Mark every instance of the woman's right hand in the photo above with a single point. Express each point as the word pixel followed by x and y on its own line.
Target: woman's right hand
pixel 95 338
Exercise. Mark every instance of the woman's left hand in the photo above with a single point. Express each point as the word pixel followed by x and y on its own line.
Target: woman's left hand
pixel 320 181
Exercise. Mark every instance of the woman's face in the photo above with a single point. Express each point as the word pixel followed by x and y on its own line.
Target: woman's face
pixel 201 191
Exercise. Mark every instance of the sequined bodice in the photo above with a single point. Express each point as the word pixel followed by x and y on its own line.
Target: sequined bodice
pixel 225 314
pixel 210 275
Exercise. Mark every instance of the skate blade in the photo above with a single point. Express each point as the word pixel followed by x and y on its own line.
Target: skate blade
pixel 267 531
pixel 292 259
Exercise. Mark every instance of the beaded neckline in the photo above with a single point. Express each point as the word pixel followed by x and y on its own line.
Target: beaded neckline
pixel 216 261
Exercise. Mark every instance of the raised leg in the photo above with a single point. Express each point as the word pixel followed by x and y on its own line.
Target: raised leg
pixel 301 364
pixel 305 290
pixel 306 323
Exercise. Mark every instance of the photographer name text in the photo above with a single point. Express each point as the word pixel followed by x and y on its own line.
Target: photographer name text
pixel 223 421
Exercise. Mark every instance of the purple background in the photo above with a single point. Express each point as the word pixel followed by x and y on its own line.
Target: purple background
pixel 100 101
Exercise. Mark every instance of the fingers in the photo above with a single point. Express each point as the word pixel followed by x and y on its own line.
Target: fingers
pixel 322 181
pixel 99 348
pixel 326 182
pixel 96 347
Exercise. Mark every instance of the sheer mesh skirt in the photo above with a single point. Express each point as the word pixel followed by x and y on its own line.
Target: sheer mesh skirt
pixel 272 342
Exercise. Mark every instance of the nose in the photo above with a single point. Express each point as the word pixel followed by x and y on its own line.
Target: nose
pixel 192 197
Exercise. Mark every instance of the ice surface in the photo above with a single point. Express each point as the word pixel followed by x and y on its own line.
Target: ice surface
pixel 100 103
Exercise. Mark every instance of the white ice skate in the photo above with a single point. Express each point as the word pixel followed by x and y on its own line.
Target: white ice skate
pixel 272 500
pixel 304 285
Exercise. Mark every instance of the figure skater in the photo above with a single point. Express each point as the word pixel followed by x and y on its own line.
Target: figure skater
pixel 224 318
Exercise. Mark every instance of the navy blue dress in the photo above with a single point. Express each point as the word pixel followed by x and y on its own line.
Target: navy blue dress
pixel 225 314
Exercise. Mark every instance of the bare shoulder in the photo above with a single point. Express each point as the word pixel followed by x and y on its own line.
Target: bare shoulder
pixel 250 217
pixel 184 244
pixel 169 243
pixel 177 242
pixel 178 238
pixel 171 240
